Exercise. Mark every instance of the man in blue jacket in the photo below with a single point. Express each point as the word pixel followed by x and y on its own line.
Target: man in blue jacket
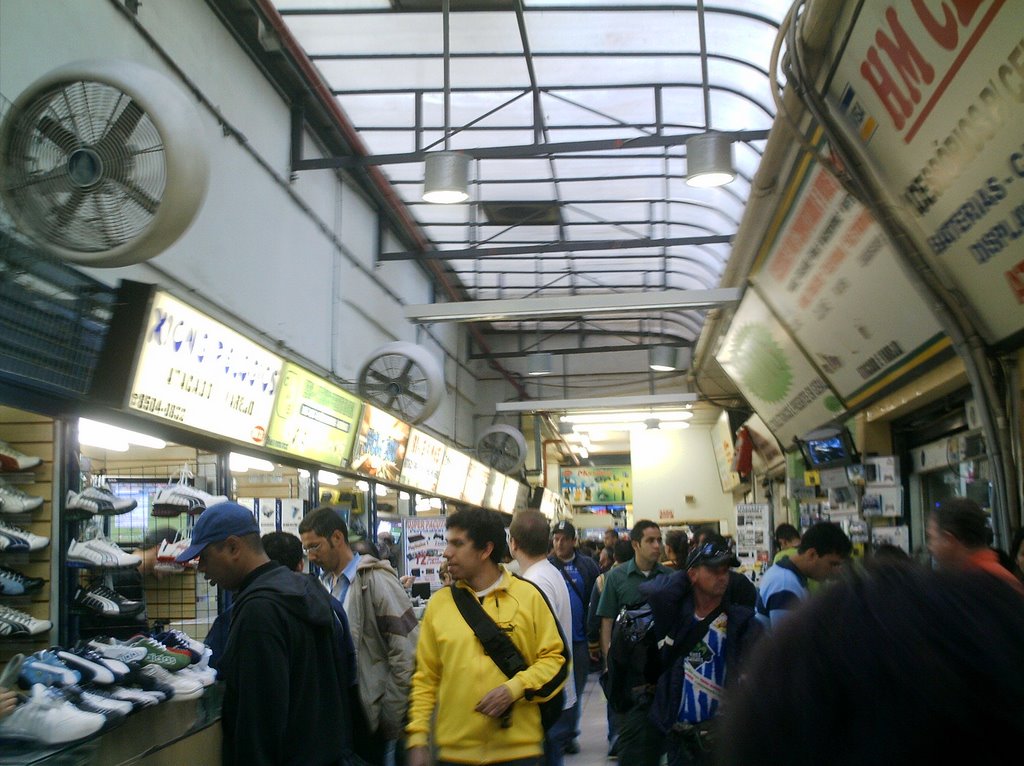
pixel 580 572
pixel 703 640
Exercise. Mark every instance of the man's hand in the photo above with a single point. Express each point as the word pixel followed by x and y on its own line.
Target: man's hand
pixel 418 756
pixel 495 702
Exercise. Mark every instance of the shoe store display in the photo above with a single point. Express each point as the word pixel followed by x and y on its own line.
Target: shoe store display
pixel 13 500
pixel 113 649
pixel 46 668
pixel 49 720
pixel 13 460
pixel 92 668
pixel 176 639
pixel 184 686
pixel 14 583
pixel 100 552
pixel 137 697
pixel 205 675
pixel 175 499
pixel 158 654
pixel 99 501
pixel 14 623
pixel 107 602
pixel 168 552
pixel 14 538
pixel 102 700
pixel 112 710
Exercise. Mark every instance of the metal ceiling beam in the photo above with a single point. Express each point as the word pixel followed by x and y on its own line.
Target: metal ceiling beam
pixel 525 150
pixel 568 306
pixel 473 253
pixel 604 403
pixel 682 364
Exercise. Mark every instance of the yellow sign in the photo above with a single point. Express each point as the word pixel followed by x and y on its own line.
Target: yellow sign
pixel 812 479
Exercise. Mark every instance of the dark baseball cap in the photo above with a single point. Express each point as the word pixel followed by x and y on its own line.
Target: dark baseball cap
pixel 714 552
pixel 217 523
pixel 565 528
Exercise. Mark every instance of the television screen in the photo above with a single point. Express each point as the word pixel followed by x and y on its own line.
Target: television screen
pixel 828 451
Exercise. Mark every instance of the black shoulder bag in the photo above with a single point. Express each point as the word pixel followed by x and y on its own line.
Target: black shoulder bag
pixel 502 651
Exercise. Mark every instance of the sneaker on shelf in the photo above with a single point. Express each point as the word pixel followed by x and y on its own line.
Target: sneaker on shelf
pixel 158 654
pixel 49 720
pixel 206 675
pixel 184 686
pixel 112 710
pixel 13 500
pixel 113 649
pixel 92 670
pixel 137 697
pixel 175 499
pixel 13 460
pixel 99 500
pixel 176 639
pixel 100 552
pixel 46 668
pixel 118 668
pixel 14 583
pixel 15 624
pixel 101 698
pixel 107 602
pixel 14 538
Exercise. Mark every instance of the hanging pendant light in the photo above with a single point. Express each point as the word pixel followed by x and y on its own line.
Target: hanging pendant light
pixel 709 160
pixel 446 177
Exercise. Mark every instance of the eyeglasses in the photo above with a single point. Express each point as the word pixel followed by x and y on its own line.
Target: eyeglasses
pixel 311 548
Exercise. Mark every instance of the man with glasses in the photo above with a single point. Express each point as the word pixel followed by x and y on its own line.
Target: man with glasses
pixel 703 639
pixel 638 743
pixel 383 626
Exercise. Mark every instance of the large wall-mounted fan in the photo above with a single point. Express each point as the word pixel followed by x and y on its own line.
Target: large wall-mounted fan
pixel 403 378
pixel 102 162
pixel 503 448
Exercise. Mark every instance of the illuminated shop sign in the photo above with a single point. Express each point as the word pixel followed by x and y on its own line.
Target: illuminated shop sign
pixel 423 459
pixel 196 372
pixel 380 445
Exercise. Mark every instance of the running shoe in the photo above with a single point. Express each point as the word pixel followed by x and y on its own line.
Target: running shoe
pixel 14 538
pixel 91 665
pixel 175 639
pixel 113 649
pixel 184 686
pixel 100 552
pixel 15 624
pixel 158 654
pixel 178 498
pixel 106 602
pixel 138 697
pixel 102 699
pixel 13 460
pixel 112 710
pixel 49 720
pixel 16 584
pixel 99 500
pixel 45 667
pixel 13 500
pixel 207 676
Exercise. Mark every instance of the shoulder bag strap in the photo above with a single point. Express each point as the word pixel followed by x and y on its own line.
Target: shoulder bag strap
pixel 693 636
pixel 496 644
pixel 568 580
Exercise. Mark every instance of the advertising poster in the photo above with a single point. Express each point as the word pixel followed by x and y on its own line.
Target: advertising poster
pixel 452 479
pixel 931 97
pixel 380 445
pixel 721 443
pixel 313 418
pixel 265 511
pixel 753 539
pixel 423 460
pixel 424 546
pixel 773 374
pixel 832 279
pixel 495 490
pixel 596 485
pixel 476 483
pixel 510 495
pixel 291 515
pixel 193 371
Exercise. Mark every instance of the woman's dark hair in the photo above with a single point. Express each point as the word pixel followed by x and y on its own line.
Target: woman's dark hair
pixel 895 664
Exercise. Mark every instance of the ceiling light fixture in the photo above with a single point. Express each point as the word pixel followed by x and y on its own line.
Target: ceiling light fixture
pixel 626 417
pixel 662 358
pixel 446 173
pixel 652 424
pixel 112 438
pixel 709 160
pixel 539 363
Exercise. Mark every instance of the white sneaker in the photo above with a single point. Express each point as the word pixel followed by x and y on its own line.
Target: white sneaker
pixel 13 460
pixel 177 498
pixel 14 623
pixel 35 542
pixel 101 553
pixel 104 702
pixel 137 697
pixel 49 720
pixel 13 500
pixel 98 500
pixel 118 651
pixel 204 675
pixel 185 687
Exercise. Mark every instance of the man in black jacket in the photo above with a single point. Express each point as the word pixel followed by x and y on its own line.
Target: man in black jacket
pixel 285 698
pixel 580 572
pixel 703 640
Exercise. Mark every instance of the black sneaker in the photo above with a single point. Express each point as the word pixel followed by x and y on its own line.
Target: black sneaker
pixel 106 602
pixel 16 584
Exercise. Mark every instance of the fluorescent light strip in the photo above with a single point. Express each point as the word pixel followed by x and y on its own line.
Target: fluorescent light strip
pixel 627 417
pixel 115 439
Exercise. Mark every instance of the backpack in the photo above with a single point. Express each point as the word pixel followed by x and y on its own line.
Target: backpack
pixel 632 656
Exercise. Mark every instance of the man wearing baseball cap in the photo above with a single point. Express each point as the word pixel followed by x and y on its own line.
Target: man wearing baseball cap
pixel 286 697
pixel 580 573
pixel 703 640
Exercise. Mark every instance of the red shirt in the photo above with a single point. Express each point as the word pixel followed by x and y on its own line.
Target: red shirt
pixel 987 560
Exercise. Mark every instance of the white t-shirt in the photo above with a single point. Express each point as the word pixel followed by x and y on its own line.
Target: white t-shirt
pixel 546 577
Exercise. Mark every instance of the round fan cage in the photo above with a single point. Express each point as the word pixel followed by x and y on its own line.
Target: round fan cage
pixel 101 163
pixel 402 378
pixel 503 448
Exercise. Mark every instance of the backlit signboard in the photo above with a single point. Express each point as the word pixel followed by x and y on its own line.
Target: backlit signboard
pixel 380 445
pixel 423 460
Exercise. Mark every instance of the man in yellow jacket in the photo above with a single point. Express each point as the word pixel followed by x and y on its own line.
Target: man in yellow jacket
pixel 483 717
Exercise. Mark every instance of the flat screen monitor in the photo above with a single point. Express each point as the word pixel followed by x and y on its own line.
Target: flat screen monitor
pixel 828 451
